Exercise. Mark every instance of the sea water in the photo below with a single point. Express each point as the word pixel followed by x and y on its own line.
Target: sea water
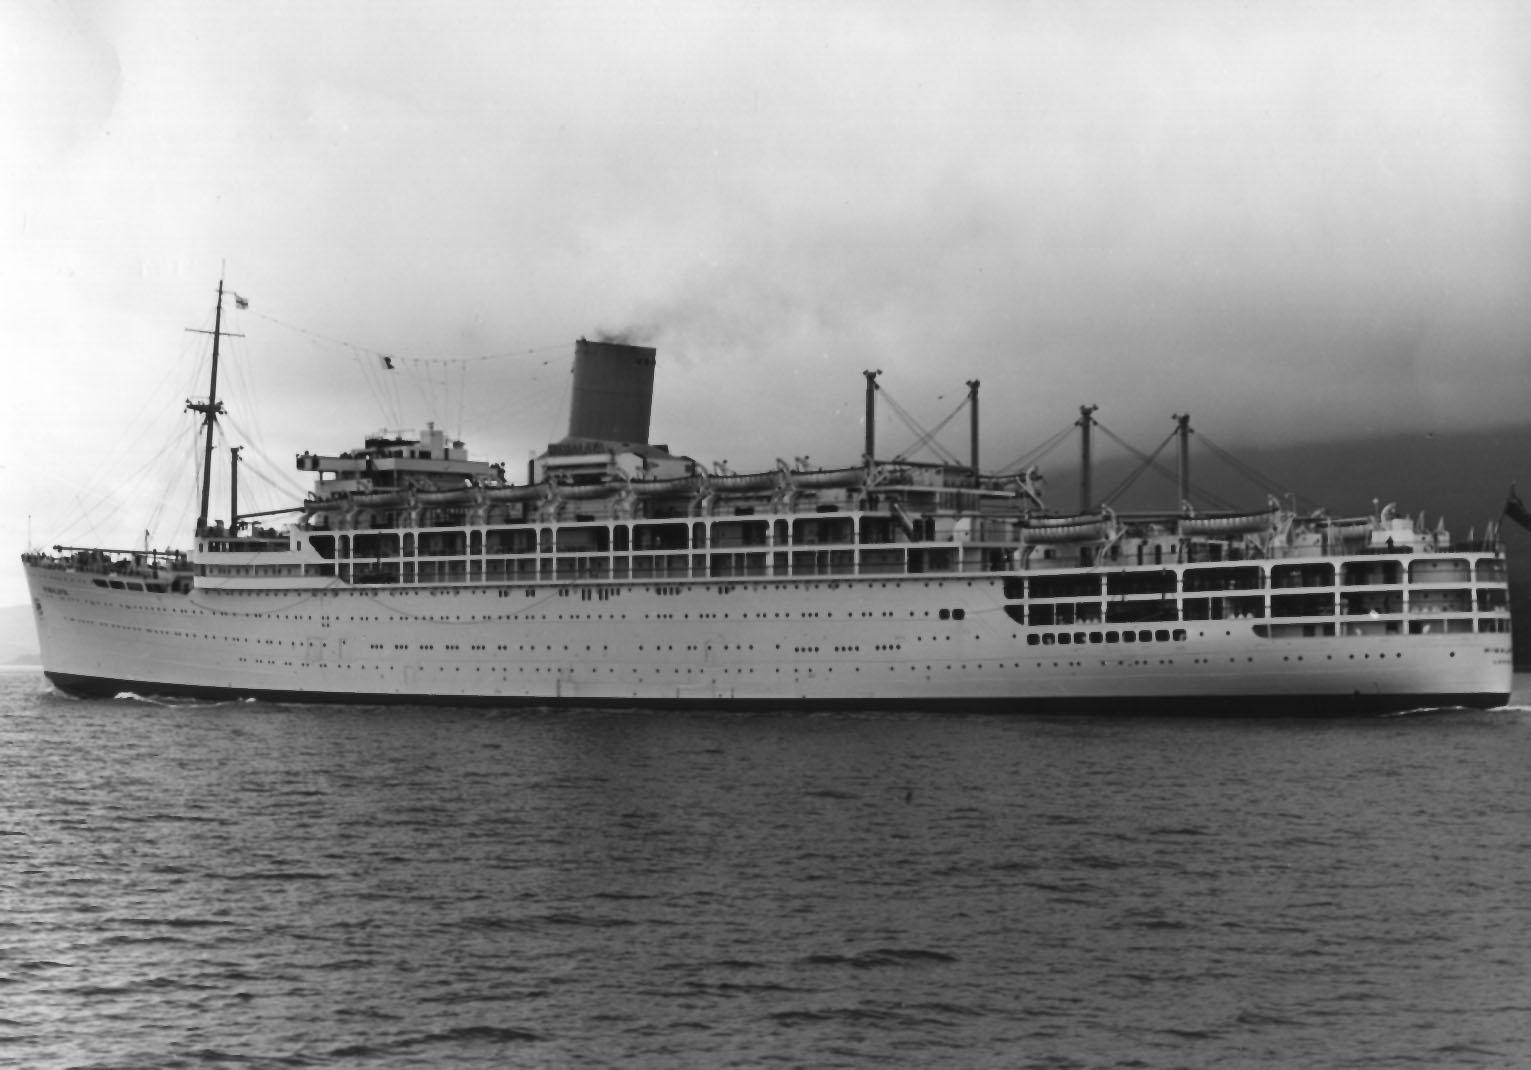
pixel 258 885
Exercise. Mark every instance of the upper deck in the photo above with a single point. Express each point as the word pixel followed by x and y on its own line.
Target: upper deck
pixel 1305 575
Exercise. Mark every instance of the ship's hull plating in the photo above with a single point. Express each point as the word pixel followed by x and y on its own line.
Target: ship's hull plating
pixel 1327 705
pixel 844 643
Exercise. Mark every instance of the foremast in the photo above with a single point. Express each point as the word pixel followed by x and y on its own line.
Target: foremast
pixel 210 409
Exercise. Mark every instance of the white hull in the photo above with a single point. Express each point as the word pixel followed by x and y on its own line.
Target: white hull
pixel 830 642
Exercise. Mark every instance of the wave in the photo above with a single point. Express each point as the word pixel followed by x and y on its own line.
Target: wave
pixel 530 922
pixel 479 1034
pixel 133 696
pixel 179 702
pixel 899 1015
pixel 881 957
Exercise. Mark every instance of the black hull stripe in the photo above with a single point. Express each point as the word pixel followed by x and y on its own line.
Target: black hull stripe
pixel 1182 705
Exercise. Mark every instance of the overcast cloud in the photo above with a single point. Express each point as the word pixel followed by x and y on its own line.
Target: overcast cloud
pixel 1296 221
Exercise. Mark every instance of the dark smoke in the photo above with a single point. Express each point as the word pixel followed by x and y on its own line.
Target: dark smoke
pixel 629 336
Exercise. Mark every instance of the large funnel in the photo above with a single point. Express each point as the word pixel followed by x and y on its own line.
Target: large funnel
pixel 613 392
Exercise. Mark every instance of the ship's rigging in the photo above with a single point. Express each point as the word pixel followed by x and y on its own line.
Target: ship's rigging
pixel 214 416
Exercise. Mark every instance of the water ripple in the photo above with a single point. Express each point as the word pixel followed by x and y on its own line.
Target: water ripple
pixel 253 885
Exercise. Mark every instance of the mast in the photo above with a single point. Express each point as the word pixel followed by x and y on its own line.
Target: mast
pixel 973 427
pixel 871 424
pixel 234 489
pixel 210 410
pixel 1085 422
pixel 1183 433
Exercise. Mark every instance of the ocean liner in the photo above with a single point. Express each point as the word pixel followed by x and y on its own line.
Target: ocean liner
pixel 622 575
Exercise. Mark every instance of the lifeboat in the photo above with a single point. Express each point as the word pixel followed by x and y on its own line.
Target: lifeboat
pixel 739 484
pixel 653 488
pixel 1350 527
pixel 582 491
pixel 381 499
pixel 445 497
pixel 1232 524
pixel 1087 528
pixel 834 477
pixel 515 494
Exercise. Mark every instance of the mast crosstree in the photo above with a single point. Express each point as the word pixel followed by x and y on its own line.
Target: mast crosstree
pixel 210 409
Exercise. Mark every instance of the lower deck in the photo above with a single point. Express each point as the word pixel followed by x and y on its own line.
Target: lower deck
pixel 919 641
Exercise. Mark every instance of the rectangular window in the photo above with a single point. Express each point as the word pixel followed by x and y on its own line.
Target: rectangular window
pixel 1161 581
pixel 1491 570
pixel 1307 575
pixel 1072 586
pixel 591 540
pixel 1302 605
pixel 1370 573
pixel 660 537
pixel 1438 570
pixel 1232 578
pixel 1144 611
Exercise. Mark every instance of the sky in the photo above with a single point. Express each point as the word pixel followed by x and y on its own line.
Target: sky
pixel 1296 221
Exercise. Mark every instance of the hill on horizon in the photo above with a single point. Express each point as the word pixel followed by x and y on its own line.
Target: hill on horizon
pixel 18 635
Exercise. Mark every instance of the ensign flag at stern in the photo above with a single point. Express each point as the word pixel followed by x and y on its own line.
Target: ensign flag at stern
pixel 1516 509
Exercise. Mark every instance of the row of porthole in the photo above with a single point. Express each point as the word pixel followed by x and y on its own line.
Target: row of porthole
pixel 1160 635
pixel 564 670
pixel 945 614
pixel 149 607
pixel 741 671
pixel 1364 657
pixel 327 621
